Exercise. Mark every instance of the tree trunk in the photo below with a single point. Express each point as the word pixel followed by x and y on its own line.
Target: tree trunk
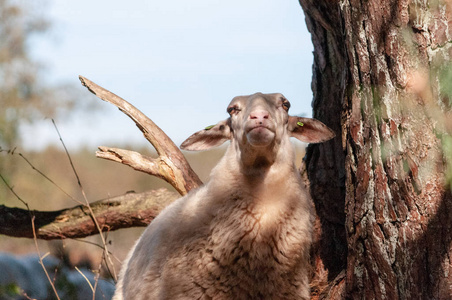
pixel 379 188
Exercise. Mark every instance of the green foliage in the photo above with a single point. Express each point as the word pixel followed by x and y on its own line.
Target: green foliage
pixel 445 79
pixel 445 89
pixel 62 283
pixel 21 93
pixel 9 291
pixel 446 141
pixel 25 96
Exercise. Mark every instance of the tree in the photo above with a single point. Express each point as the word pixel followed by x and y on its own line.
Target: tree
pixel 24 95
pixel 18 71
pixel 379 190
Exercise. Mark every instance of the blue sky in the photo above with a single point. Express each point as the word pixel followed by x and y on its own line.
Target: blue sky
pixel 180 62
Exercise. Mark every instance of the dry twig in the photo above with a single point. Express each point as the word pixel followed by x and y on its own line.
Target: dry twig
pixel 41 262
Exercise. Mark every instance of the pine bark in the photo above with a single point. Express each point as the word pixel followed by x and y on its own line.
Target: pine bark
pixel 384 209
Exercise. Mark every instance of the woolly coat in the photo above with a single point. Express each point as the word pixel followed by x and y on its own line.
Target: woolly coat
pixel 247 233
pixel 234 238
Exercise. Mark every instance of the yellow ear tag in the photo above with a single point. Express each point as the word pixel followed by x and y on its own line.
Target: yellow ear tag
pixel 300 124
pixel 209 127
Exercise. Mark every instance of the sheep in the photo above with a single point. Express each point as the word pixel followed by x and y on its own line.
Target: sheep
pixel 246 234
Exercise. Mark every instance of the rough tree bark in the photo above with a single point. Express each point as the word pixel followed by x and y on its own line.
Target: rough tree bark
pixel 380 191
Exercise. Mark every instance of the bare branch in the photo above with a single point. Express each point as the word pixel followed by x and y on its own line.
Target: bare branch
pixel 136 160
pixel 171 165
pixel 130 210
pixel 126 211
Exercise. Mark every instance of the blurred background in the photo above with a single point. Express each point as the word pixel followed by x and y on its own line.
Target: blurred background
pixel 179 62
pixel 175 60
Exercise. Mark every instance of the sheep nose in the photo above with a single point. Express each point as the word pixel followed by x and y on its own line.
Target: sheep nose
pixel 259 115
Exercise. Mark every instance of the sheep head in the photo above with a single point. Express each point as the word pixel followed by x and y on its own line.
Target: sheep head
pixel 258 120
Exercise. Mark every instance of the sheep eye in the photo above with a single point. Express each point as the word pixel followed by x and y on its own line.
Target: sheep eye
pixel 286 105
pixel 232 110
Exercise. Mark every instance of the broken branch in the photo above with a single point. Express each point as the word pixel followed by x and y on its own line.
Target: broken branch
pixel 171 165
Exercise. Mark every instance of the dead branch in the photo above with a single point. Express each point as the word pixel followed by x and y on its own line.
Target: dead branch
pixel 135 160
pixel 171 164
pixel 129 210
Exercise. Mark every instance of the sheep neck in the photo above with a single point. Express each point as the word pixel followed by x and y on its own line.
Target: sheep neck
pixel 257 166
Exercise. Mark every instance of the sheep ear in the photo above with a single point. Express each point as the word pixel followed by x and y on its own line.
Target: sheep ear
pixel 309 130
pixel 211 136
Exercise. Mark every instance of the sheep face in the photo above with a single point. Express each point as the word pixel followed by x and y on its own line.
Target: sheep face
pixel 255 119
pixel 258 123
